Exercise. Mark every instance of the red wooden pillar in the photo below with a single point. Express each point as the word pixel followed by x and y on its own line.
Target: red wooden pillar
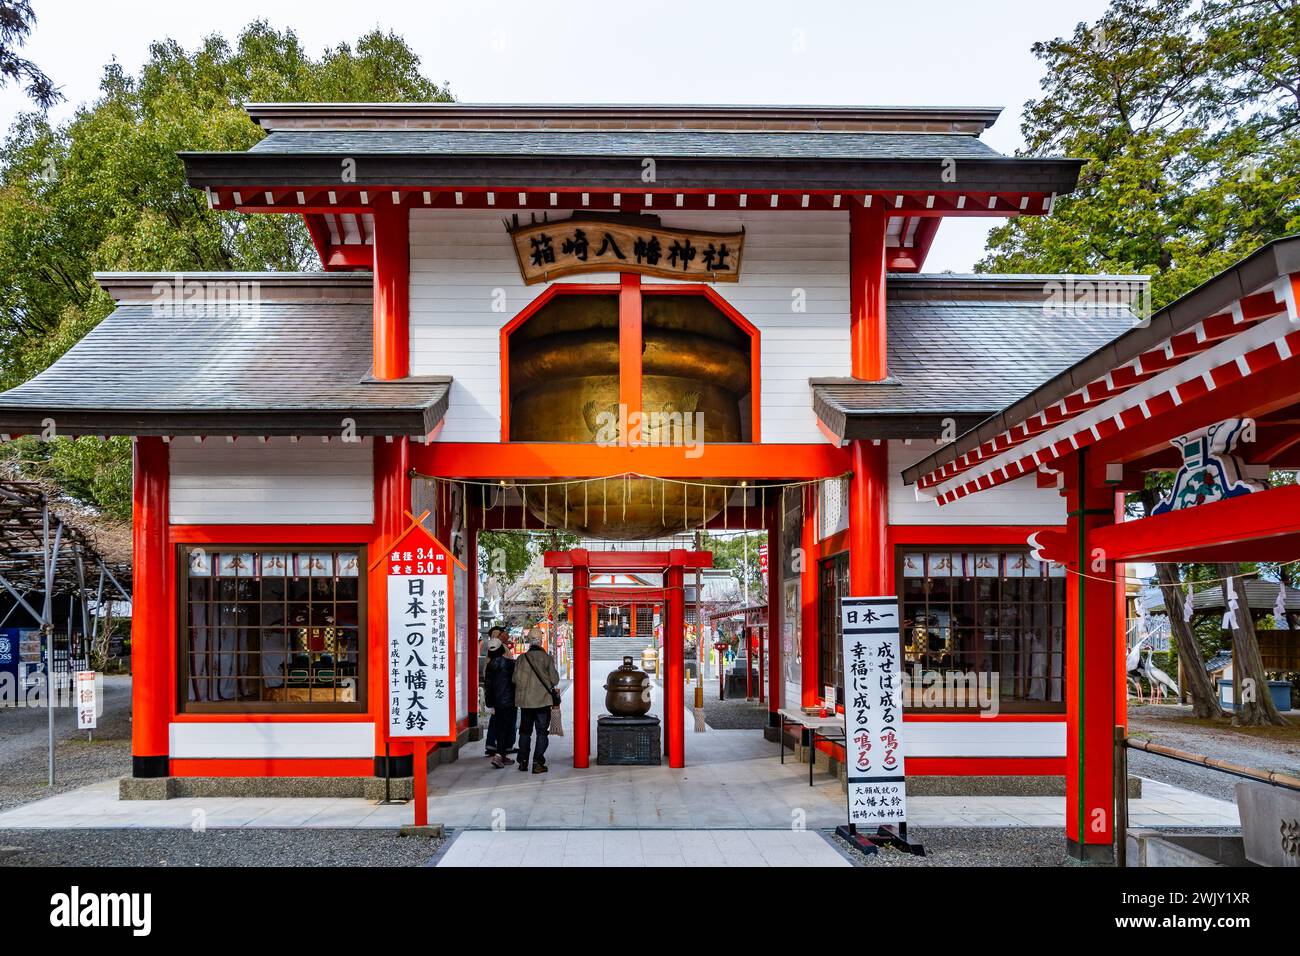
pixel 581 686
pixel 867 328
pixel 153 675
pixel 392 501
pixel 674 651
pixel 775 608
pixel 1093 706
pixel 868 519
pixel 808 644
pixel 392 295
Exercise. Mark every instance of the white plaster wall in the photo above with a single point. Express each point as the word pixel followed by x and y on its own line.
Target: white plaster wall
pixel 1016 502
pixel 276 482
pixel 271 739
pixel 465 286
pixel 985 738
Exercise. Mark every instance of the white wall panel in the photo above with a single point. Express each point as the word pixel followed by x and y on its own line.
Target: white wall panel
pixel 465 286
pixel 277 482
pixel 1016 502
pixel 234 741
pixel 985 738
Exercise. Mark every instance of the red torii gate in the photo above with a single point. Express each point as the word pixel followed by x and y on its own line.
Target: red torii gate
pixel 673 565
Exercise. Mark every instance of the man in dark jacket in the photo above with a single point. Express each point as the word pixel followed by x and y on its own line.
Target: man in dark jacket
pixel 499 696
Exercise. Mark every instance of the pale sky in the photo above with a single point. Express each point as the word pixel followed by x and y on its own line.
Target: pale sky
pixel 936 52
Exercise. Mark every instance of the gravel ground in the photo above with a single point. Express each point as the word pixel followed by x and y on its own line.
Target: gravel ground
pixel 1274 748
pixel 226 847
pixel 24 747
pixel 972 846
pixel 734 714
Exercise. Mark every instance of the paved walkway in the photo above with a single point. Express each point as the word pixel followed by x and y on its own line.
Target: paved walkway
pixel 641 848
pixel 732 781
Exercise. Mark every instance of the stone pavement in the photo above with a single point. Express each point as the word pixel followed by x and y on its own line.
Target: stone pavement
pixel 733 781
pixel 641 848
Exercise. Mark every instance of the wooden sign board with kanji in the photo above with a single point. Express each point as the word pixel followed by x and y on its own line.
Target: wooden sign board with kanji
pixel 584 244
pixel 421 645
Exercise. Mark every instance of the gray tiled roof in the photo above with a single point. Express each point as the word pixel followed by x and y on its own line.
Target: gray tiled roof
pixel 968 358
pixel 1260 594
pixel 264 368
pixel 693 144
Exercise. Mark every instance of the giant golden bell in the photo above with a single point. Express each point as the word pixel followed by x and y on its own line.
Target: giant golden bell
pixel 695 389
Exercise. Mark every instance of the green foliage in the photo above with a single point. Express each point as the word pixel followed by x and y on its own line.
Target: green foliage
pixel 105 191
pixel 729 554
pixel 504 556
pixel 16 22
pixel 1187 116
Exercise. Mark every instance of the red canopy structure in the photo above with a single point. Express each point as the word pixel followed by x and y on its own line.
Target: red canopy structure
pixel 1209 386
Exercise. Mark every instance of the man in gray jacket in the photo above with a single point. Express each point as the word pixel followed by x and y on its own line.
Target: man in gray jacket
pixel 536 681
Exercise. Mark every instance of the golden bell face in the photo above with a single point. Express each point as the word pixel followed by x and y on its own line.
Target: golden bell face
pixel 695 389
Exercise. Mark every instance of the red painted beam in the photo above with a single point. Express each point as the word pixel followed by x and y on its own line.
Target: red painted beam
pixel 626 560
pixel 353 256
pixel 1254 519
pixel 554 460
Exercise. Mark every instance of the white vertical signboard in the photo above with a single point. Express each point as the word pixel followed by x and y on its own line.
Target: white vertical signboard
pixel 420 692
pixel 87 698
pixel 873 711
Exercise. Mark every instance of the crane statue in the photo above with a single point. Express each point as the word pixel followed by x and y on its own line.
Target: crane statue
pixel 1133 667
pixel 1158 679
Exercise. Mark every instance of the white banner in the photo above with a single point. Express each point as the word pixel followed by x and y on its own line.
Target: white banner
pixel 420 692
pixel 87 698
pixel 873 710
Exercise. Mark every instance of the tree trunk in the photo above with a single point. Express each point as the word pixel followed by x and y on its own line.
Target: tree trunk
pixel 1254 702
pixel 1205 702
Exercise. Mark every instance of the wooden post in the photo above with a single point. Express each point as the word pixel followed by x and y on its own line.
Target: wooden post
pixel 868 519
pixel 809 647
pixel 153 680
pixel 674 651
pixel 867 326
pixel 392 281
pixel 421 783
pixel 581 686
pixel 1092 652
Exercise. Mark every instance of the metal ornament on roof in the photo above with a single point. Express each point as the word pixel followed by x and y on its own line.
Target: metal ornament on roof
pixel 1210 470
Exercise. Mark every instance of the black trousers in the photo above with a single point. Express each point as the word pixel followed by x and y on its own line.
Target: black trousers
pixel 538 719
pixel 501 729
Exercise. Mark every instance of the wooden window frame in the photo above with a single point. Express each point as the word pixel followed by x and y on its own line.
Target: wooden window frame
pixel 1015 706
pixel 185 706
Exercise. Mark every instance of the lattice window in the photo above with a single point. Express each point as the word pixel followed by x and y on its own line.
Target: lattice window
pixel 273 629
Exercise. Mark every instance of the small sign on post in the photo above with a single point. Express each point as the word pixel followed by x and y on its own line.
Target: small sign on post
pixel 421 650
pixel 873 722
pixel 87 698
